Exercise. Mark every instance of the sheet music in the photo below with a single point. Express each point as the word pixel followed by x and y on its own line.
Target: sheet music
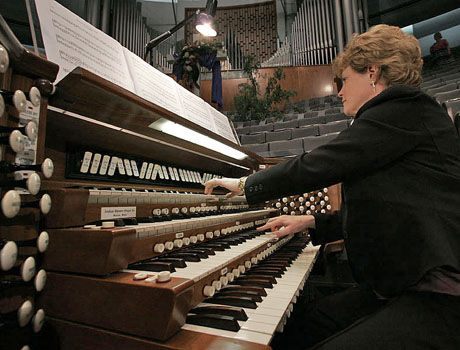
pixel 195 109
pixel 152 85
pixel 221 124
pixel 72 42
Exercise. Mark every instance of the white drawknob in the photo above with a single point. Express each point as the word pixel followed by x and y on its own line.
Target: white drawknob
pixel 200 237
pixel 236 272
pixel 40 280
pixel 35 96
pixel 159 248
pixel 45 204
pixel 208 291
pixel 43 241
pixel 209 235
pixel 20 101
pixel 217 285
pixel 223 280
pixel 27 269
pixel 8 255
pixel 247 264
pixel 16 141
pixel 186 241
pixel 33 183
pixel 164 276
pixel 242 268
pixel 230 277
pixel 25 313
pixel 193 239
pixel 38 320
pixel 169 245
pixel 47 168
pixel 4 60
pixel 178 243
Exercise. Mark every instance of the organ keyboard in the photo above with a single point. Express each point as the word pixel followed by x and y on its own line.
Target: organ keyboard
pixel 136 256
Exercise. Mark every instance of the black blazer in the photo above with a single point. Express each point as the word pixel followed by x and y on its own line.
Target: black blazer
pixel 400 167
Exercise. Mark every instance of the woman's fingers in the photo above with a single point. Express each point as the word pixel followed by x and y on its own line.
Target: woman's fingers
pixel 228 183
pixel 209 186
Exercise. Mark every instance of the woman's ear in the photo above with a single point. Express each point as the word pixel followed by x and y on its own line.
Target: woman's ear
pixel 373 72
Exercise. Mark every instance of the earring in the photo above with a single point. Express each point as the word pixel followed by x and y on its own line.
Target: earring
pixel 373 85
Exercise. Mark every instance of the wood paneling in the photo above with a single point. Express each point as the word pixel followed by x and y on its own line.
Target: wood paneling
pixel 307 81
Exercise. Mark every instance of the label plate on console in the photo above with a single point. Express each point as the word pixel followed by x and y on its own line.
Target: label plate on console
pixel 117 212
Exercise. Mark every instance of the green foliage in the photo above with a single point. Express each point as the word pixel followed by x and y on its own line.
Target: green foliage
pixel 250 103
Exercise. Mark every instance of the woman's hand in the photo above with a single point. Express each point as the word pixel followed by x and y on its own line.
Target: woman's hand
pixel 228 183
pixel 286 224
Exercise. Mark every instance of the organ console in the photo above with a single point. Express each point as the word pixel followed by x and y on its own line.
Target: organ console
pixel 129 252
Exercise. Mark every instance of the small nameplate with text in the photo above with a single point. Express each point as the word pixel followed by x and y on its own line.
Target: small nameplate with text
pixel 117 212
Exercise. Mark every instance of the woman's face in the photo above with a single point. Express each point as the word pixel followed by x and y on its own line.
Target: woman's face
pixel 356 90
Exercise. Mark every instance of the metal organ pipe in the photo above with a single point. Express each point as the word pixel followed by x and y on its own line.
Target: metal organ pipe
pixel 339 25
pixel 354 7
pixel 348 19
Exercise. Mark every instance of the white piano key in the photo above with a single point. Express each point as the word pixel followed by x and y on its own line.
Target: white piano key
pixel 255 337
pixel 255 326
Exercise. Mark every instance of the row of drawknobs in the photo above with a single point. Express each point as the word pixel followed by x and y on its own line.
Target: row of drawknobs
pixel 305 204
pixel 21 277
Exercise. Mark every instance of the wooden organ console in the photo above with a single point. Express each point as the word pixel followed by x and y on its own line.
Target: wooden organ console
pixel 136 256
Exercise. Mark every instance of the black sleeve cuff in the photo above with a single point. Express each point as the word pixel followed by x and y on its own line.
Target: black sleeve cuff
pixel 328 228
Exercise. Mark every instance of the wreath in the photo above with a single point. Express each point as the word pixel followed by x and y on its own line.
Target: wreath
pixel 186 64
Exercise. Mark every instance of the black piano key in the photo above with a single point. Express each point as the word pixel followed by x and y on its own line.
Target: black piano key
pixel 232 301
pixel 219 246
pixel 237 313
pixel 264 272
pixel 131 221
pixel 280 267
pixel 214 321
pixel 153 266
pixel 177 262
pixel 209 250
pixel 268 278
pixel 235 293
pixel 146 220
pixel 253 282
pixel 201 253
pixel 259 290
pixel 192 257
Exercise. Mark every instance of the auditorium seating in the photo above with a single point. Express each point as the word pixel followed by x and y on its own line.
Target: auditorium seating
pixel 253 139
pixel 284 137
pixel 442 82
pixel 279 135
pixel 286 148
pixel 441 97
pixel 332 127
pixel 452 107
pixel 309 130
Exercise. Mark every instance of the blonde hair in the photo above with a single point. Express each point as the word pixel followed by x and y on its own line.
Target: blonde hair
pixel 396 53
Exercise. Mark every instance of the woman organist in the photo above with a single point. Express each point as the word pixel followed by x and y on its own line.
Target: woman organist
pixel 399 163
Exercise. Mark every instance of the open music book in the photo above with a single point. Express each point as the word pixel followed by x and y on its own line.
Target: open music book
pixel 72 42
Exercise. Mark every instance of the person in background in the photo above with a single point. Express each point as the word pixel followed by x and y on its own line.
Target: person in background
pixel 440 44
pixel 440 51
pixel 399 165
